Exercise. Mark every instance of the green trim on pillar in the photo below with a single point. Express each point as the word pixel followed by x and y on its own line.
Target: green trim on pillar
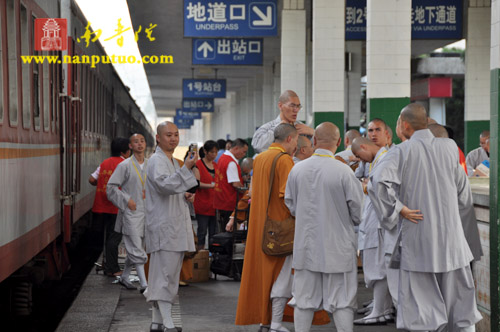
pixel 494 194
pixel 387 109
pixel 250 151
pixel 336 117
pixel 472 130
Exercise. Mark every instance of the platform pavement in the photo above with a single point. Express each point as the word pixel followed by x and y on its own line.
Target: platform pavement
pixel 208 306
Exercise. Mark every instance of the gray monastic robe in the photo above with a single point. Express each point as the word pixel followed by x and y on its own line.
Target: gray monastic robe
pixel 168 222
pixel 427 172
pixel 264 135
pixel 475 158
pixel 128 222
pixel 325 197
pixel 370 222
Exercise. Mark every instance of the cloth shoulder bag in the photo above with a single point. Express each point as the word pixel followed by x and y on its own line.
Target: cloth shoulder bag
pixel 278 235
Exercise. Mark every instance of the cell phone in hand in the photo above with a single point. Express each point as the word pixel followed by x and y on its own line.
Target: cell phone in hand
pixel 193 147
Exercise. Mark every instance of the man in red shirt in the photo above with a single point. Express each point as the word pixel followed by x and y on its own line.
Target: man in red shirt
pixel 228 181
pixel 104 211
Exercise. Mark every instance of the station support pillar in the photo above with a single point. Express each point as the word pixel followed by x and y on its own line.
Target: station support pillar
pixel 388 55
pixel 354 50
pixel 494 169
pixel 477 81
pixel 293 50
pixel 328 64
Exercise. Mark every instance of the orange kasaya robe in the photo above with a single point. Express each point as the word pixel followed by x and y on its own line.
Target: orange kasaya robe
pixel 260 271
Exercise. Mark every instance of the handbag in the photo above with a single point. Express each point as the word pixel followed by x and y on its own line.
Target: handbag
pixel 278 235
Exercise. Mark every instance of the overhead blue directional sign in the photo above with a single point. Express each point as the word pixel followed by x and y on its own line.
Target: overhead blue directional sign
pixel 203 88
pixel 230 18
pixel 430 19
pixel 183 123
pixel 228 51
pixel 198 105
pixel 180 114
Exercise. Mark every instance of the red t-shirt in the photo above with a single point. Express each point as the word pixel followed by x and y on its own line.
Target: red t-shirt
pixel 225 193
pixel 101 202
pixel 204 198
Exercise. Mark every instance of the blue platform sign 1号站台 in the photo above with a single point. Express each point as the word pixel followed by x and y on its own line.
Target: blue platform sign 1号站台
pixel 189 115
pixel 430 19
pixel 228 51
pixel 230 18
pixel 203 88
pixel 183 123
pixel 198 105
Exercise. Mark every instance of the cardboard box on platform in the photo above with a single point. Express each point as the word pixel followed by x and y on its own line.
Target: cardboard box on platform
pixel 201 266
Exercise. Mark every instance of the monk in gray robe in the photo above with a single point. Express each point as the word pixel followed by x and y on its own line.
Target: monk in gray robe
pixel 130 176
pixel 169 232
pixel 371 241
pixel 436 287
pixel 477 156
pixel 325 197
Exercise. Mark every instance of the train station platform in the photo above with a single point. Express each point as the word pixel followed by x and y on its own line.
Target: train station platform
pixel 208 306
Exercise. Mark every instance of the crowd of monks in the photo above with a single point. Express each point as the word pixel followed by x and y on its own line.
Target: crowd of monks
pixel 405 208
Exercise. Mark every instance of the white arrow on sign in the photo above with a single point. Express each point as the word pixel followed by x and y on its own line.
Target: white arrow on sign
pixel 265 19
pixel 208 105
pixel 205 48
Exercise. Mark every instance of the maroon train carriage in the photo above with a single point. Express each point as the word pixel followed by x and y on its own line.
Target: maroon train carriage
pixel 56 125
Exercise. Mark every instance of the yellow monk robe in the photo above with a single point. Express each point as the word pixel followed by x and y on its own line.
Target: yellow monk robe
pixel 260 271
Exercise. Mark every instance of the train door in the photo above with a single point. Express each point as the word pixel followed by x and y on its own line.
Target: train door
pixel 71 143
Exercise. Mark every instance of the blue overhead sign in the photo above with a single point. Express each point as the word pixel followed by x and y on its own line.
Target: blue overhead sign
pixel 230 18
pixel 228 51
pixel 189 115
pixel 182 123
pixel 430 19
pixel 203 88
pixel 198 105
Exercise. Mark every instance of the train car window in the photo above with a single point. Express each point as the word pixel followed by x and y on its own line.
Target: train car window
pixel 46 96
pixel 25 69
pixel 36 94
pixel 84 101
pixel 55 94
pixel 12 56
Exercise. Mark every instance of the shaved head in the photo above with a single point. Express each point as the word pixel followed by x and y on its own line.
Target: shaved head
pixel 438 130
pixel 356 145
pixel 485 133
pixel 415 115
pixel 283 130
pixel 247 165
pixel 285 96
pixel 431 121
pixel 352 134
pixel 327 134
pixel 134 136
pixel 164 125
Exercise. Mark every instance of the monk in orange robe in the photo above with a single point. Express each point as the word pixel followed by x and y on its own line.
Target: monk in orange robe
pixel 261 271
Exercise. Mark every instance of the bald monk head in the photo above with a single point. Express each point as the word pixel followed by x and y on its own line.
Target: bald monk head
pixel 167 136
pixel 304 148
pixel 399 131
pixel 286 135
pixel 437 130
pixel 327 136
pixel 485 136
pixel 350 136
pixel 365 149
pixel 247 165
pixel 413 118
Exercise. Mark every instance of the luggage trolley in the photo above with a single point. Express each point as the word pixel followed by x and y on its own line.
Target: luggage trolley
pixel 228 248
